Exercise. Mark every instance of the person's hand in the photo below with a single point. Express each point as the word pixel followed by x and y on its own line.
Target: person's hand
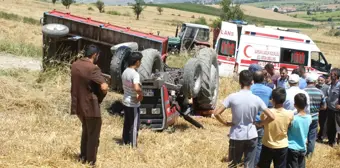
pixel 337 106
pixel 229 124
pixel 258 124
pixel 139 98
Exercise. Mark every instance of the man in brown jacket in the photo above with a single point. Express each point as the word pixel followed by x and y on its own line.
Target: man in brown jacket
pixel 88 89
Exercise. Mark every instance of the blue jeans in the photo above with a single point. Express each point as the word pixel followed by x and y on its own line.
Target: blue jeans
pixel 312 135
pixel 260 133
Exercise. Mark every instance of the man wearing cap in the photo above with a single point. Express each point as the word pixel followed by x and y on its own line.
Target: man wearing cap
pixel 88 89
pixel 318 102
pixel 292 91
pixel 323 86
pixel 132 97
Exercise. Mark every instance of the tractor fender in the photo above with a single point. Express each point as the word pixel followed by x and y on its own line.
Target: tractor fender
pixel 132 45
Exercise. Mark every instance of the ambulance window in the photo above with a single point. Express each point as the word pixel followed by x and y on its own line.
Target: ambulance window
pixel 291 56
pixel 227 47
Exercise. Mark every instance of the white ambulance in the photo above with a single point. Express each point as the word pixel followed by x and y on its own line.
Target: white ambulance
pixel 238 46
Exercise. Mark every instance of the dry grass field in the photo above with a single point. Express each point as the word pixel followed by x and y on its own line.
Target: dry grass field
pixel 263 13
pixel 36 129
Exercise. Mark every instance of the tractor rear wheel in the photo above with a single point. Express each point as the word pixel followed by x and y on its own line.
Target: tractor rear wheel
pixel 192 78
pixel 207 98
pixel 117 67
pixel 151 62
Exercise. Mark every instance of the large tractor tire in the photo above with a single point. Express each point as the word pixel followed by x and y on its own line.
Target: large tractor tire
pixel 151 62
pixel 192 78
pixel 117 67
pixel 55 30
pixel 207 98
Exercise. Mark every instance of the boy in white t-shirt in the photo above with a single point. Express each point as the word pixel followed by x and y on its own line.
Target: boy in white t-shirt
pixel 243 132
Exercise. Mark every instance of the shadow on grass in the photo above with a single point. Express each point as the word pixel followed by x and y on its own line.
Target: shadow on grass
pixel 181 127
pixel 69 153
pixel 118 141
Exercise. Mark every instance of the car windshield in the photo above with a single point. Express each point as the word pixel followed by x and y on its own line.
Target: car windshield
pixel 203 35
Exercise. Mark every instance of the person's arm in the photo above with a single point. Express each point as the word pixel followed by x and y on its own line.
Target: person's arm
pixel 338 104
pixel 307 108
pixel 268 118
pixel 218 116
pixel 100 87
pixel 137 87
pixel 269 115
pixel 323 103
pixel 96 76
pixel 219 111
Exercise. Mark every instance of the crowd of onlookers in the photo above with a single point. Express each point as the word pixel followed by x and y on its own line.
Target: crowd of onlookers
pixel 276 116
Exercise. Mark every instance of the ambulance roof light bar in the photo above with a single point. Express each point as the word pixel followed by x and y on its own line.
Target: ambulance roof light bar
pixel 240 22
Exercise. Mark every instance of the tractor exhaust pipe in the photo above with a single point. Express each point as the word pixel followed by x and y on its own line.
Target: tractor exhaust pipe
pixel 176 31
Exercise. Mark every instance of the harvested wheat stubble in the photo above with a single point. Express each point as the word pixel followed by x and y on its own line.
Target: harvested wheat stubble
pixel 37 130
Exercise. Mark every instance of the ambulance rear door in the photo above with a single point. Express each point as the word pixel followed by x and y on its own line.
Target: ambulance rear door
pixel 226 47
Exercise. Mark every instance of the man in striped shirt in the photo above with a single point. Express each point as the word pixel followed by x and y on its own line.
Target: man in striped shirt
pixel 317 103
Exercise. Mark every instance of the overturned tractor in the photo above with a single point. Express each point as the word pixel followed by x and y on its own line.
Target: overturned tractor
pixel 166 90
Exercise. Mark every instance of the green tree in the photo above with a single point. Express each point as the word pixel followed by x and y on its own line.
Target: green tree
pixel 54 1
pixel 216 23
pixel 276 10
pixel 67 3
pixel 100 5
pixel 226 10
pixel 230 11
pixel 237 13
pixel 138 8
pixel 160 10
pixel 201 20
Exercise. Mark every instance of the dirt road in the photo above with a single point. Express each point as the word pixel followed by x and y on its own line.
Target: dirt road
pixel 11 61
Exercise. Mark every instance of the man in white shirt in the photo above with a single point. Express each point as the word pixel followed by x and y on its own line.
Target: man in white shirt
pixel 292 91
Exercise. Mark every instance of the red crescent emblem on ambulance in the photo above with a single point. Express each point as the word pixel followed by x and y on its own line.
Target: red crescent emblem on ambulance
pixel 245 51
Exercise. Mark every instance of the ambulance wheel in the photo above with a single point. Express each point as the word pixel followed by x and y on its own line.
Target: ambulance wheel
pixel 117 67
pixel 151 62
pixel 55 30
pixel 207 97
pixel 192 78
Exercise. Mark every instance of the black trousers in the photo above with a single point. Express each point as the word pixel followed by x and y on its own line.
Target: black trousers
pixel 322 124
pixel 238 148
pixel 131 125
pixel 89 144
pixel 296 159
pixel 333 117
pixel 279 156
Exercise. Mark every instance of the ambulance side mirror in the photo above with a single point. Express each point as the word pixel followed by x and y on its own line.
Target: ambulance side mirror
pixel 328 67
